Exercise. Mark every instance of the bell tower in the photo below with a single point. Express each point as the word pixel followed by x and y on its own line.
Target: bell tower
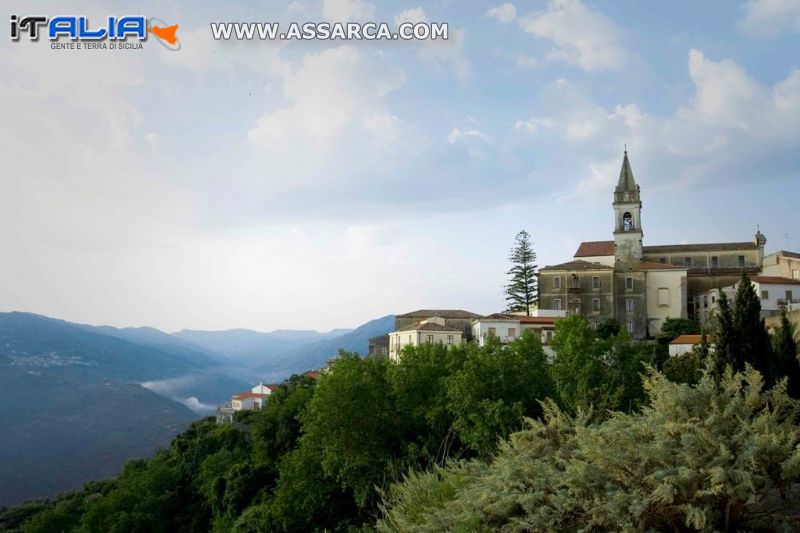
pixel 628 214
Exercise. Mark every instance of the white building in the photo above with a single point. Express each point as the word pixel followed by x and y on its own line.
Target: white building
pixel 507 327
pixel 782 264
pixel 429 331
pixel 251 400
pixel 776 294
pixel 686 343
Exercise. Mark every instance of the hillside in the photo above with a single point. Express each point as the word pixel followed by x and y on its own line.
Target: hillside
pixel 248 347
pixel 74 407
pixel 317 354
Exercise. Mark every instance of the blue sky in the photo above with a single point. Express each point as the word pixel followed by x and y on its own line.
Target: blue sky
pixel 319 185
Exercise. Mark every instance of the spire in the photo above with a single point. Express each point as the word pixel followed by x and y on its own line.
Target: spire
pixel 626 182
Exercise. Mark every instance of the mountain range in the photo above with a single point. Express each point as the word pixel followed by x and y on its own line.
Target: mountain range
pixel 80 400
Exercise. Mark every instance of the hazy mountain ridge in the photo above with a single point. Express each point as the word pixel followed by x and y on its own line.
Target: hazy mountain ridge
pixel 80 400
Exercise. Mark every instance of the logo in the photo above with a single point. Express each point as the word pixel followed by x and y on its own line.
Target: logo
pixel 127 32
pixel 166 34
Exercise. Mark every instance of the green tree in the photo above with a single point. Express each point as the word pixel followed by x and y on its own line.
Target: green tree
pixel 785 355
pixel 608 328
pixel 521 291
pixel 495 388
pixel 715 457
pixel 752 339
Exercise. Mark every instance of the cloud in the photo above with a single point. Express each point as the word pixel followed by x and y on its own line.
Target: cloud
pixel 347 10
pixel 504 13
pixel 730 123
pixel 457 135
pixel 582 36
pixel 439 51
pixel 770 17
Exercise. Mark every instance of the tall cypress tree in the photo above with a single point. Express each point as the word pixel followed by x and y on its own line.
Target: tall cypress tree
pixel 726 336
pixel 752 339
pixel 521 291
pixel 784 347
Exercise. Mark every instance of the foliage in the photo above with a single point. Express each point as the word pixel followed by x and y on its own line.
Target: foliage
pixel 521 291
pixel 593 372
pixel 684 368
pixel 496 387
pixel 608 328
pixel 705 458
pixel 784 347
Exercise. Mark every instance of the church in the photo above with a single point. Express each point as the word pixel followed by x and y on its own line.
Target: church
pixel 641 286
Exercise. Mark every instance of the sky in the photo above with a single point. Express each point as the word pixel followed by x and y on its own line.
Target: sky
pixel 317 185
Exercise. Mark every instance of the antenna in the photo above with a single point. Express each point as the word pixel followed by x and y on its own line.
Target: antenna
pixel 788 241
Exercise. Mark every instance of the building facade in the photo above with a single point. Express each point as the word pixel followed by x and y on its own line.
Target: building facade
pixel 641 286
pixel 432 330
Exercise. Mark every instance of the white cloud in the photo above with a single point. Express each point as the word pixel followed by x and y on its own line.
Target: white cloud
pixel 457 135
pixel 503 13
pixel 347 10
pixel 730 123
pixel 583 36
pixel 770 17
pixel 352 102
pixel 447 52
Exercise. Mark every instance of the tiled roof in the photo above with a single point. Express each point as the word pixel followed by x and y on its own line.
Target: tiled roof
pixel 429 326
pixel 775 280
pixel 578 265
pixel 538 319
pixel 595 248
pixel 443 313
pixel 313 374
pixel 653 265
pixel 707 247
pixel 499 316
pixel 249 394
pixel 690 339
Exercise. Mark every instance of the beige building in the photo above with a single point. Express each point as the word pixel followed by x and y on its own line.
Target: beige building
pixel 641 286
pixel 782 264
pixel 432 330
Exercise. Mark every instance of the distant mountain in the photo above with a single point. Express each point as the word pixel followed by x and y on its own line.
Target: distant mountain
pixel 76 405
pixel 316 355
pixel 255 348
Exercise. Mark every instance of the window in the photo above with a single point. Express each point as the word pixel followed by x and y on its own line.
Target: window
pixel 557 282
pixel 629 305
pixel 596 305
pixel 449 339
pixel 595 282
pixel 629 283
pixel 687 261
pixel 713 298
pixel 714 261
pixel 663 297
pixel 663 260
pixel 429 338
pixel 795 274
pixel 788 297
pixel 548 337
pixel 741 260
pixel 557 304
pixel 629 326
pixel 576 282
pixel 765 295
pixel 512 332
pixel 383 350
pixel 627 222
pixel 705 300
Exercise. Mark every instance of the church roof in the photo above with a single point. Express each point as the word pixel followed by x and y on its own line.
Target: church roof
pixel 578 265
pixel 442 313
pixel 626 182
pixel 707 247
pixel 652 265
pixel 595 248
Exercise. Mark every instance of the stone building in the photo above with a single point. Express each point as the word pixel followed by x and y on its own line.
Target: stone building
pixel 641 286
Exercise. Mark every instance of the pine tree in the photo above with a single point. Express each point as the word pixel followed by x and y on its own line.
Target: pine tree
pixel 521 291
pixel 726 337
pixel 785 355
pixel 753 343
